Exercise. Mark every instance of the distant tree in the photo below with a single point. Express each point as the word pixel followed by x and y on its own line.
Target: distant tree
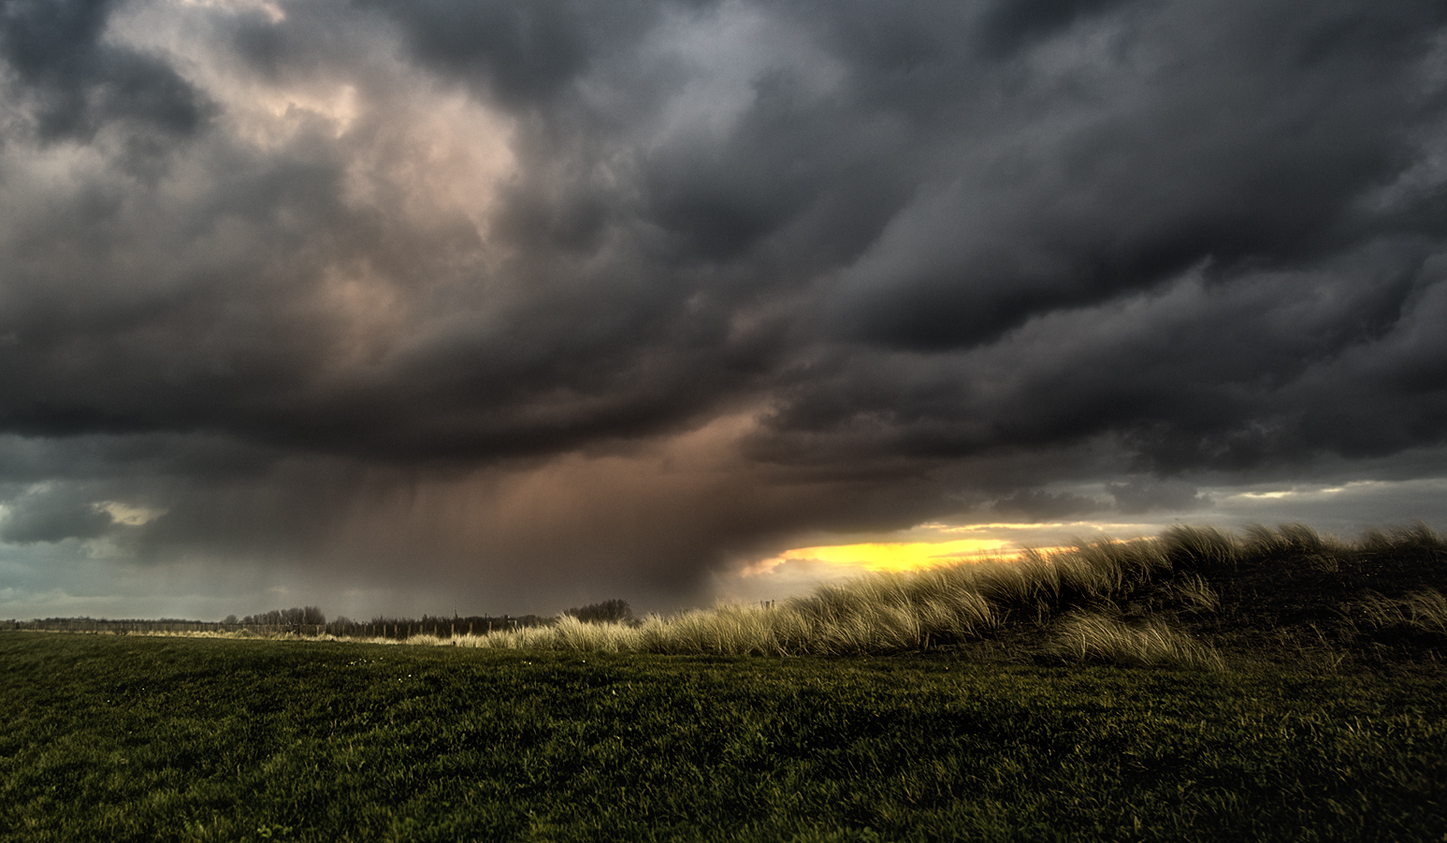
pixel 609 611
pixel 294 616
pixel 230 619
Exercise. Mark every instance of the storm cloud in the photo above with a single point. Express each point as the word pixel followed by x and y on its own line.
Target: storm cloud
pixel 545 303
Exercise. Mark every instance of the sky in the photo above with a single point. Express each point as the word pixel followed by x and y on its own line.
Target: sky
pixel 429 306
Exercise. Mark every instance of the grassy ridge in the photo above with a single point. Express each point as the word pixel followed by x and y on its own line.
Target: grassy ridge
pixel 1183 599
pixel 1179 599
pixel 123 738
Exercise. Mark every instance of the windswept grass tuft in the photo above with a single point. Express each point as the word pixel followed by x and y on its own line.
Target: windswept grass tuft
pixel 1190 593
pixel 1088 636
pixel 1423 611
pixel 872 617
pixel 1288 539
pixel 1416 537
pixel 1200 548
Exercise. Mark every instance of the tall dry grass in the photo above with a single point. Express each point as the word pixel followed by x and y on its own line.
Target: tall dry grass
pixel 1077 592
pixel 1077 597
pixel 1424 610
pixel 880 613
pixel 1417 537
pixel 1090 636
pixel 1200 548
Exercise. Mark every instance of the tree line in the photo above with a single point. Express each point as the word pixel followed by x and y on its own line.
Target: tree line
pixel 311 621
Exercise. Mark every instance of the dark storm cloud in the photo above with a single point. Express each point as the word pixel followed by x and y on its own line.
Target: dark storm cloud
pixel 78 83
pixel 1203 133
pixel 1203 374
pixel 392 268
pixel 1007 27
pixel 523 54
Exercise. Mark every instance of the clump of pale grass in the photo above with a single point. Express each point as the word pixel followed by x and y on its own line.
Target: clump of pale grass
pixel 1417 537
pixel 1288 539
pixel 1292 544
pixel 1200 548
pixel 892 612
pixel 519 638
pixel 571 633
pixel 878 613
pixel 883 613
pixel 1191 593
pixel 727 629
pixel 1090 636
pixel 1421 611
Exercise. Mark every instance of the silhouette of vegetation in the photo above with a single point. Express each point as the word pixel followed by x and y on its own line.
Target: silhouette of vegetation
pixel 308 615
pixel 609 611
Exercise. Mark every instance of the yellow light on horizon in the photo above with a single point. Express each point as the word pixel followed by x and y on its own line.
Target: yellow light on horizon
pixel 888 556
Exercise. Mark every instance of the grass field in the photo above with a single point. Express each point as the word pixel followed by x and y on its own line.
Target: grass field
pixel 1276 685
pixel 122 738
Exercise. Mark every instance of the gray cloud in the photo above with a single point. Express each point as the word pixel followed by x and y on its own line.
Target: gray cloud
pixel 1039 505
pixel 331 285
pixel 1139 495
pixel 1167 140
pixel 77 83
pixel 52 515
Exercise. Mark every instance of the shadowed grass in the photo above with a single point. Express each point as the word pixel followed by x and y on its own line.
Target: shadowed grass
pixel 137 739
pixel 1422 611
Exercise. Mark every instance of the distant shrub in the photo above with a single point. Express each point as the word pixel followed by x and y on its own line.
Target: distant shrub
pixel 609 611
pixel 288 617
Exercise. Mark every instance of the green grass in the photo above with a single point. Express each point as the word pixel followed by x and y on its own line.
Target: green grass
pixel 1278 685
pixel 122 738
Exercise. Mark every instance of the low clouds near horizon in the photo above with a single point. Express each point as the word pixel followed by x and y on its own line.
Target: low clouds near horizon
pixel 536 304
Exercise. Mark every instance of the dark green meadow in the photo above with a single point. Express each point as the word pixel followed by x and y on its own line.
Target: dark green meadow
pixel 131 738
